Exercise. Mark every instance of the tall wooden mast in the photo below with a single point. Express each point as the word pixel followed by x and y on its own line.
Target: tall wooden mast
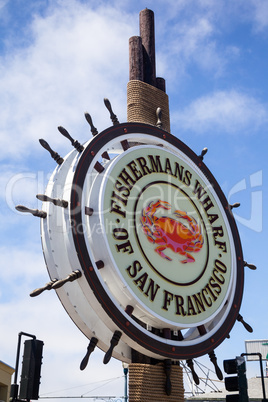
pixel 145 91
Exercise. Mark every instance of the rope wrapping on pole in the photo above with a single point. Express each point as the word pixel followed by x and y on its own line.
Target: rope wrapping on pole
pixel 147 383
pixel 142 102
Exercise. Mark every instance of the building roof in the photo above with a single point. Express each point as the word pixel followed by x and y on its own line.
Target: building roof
pixel 255 392
pixel 6 367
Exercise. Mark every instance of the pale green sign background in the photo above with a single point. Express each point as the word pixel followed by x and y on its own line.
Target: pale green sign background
pixel 184 293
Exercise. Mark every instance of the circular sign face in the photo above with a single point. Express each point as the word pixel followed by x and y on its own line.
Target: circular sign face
pixel 155 241
pixel 166 235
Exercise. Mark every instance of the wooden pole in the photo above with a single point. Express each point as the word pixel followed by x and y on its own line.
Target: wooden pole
pixel 146 92
pixel 148 41
pixel 136 59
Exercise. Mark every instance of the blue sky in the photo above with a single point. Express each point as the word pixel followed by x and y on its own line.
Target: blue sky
pixel 59 59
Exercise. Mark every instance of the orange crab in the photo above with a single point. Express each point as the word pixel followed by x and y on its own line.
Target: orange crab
pixel 169 232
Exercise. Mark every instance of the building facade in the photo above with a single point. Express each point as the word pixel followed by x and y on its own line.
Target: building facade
pixel 5 381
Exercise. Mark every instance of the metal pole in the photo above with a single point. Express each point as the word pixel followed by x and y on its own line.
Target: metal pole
pixel 15 387
pixel 262 377
pixel 125 373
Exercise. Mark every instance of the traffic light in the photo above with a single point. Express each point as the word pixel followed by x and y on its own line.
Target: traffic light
pixel 31 369
pixel 238 382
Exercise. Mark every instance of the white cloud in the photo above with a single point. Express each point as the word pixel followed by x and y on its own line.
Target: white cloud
pixel 228 112
pixel 18 186
pixel 194 42
pixel 75 58
pixel 260 13
pixel 21 262
pixel 22 270
pixel 64 346
pixel 3 4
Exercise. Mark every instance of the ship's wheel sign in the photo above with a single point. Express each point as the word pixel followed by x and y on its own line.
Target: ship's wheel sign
pixel 141 245
pixel 141 228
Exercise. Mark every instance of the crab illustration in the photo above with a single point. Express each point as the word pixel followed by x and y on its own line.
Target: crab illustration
pixel 169 232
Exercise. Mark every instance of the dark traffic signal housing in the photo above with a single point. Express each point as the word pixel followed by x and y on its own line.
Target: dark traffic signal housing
pixel 31 369
pixel 236 382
